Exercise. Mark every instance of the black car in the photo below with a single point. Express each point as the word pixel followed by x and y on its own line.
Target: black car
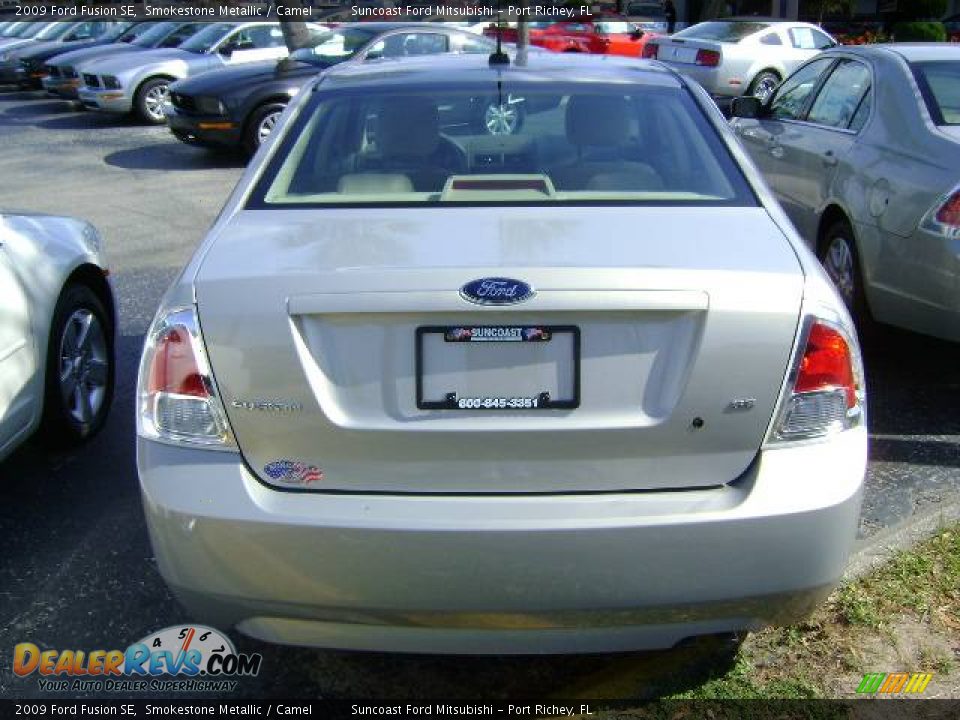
pixel 32 62
pixel 238 107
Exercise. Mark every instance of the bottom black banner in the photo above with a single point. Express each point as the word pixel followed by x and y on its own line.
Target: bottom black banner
pixel 872 709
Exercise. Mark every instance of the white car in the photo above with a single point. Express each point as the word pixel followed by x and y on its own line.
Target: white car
pixel 56 330
pixel 741 56
pixel 577 388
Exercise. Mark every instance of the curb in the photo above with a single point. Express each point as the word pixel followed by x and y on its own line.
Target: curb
pixel 873 551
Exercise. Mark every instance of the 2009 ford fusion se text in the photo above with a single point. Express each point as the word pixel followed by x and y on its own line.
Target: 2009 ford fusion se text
pixel 682 443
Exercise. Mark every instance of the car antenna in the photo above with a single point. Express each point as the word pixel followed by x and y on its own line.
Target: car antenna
pixel 499 57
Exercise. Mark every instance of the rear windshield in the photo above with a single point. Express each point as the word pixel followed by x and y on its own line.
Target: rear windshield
pixel 563 145
pixel 645 9
pixel 732 32
pixel 940 85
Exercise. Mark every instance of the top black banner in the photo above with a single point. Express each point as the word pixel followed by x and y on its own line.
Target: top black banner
pixel 245 10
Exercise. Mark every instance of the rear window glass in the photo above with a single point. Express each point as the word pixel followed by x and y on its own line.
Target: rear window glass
pixel 940 85
pixel 645 10
pixel 591 144
pixel 720 31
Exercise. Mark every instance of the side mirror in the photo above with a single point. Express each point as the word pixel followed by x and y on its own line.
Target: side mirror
pixel 747 107
pixel 636 34
pixel 227 50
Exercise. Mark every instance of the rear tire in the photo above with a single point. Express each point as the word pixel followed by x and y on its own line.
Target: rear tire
pixel 260 124
pixel 80 367
pixel 149 100
pixel 839 257
pixel 763 85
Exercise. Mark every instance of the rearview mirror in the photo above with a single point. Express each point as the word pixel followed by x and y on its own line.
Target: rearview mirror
pixel 747 107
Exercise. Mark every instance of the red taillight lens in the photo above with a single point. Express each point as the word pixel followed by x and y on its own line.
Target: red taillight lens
pixel 949 212
pixel 708 58
pixel 827 364
pixel 826 395
pixel 174 367
pixel 650 51
pixel 177 399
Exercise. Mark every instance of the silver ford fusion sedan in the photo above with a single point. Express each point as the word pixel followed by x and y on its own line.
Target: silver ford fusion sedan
pixel 862 148
pixel 573 389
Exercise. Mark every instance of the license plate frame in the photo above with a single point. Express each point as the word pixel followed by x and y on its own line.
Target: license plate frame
pixel 451 401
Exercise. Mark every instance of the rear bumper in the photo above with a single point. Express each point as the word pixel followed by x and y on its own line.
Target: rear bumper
pixel 715 80
pixel 204 129
pixel 502 574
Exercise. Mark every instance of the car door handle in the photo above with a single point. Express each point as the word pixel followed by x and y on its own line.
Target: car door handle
pixel 829 158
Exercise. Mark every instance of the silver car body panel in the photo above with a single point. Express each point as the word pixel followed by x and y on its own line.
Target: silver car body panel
pixel 885 179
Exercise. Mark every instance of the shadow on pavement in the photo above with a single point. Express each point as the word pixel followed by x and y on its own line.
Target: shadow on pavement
pixel 173 156
pixel 634 676
pixel 44 107
pixel 80 120
pixel 913 386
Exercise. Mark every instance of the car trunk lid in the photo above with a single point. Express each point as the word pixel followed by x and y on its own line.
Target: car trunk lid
pixel 684 320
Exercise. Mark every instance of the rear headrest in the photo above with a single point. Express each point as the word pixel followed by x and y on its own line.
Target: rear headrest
pixel 598 120
pixel 408 127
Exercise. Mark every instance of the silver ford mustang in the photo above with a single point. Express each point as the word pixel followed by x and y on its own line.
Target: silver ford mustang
pixel 741 56
pixel 574 389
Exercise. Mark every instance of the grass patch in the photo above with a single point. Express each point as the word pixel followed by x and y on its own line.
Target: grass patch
pixel 902 617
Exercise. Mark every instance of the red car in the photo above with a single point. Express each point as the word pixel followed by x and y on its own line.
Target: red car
pixel 603 36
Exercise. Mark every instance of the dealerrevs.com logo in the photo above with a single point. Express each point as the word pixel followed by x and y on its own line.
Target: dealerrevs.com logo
pixel 177 658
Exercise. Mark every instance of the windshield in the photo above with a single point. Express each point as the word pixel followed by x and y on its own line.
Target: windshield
pixel 27 30
pixel 207 38
pixel 732 32
pixel 334 47
pixel 595 144
pixel 55 30
pixel 940 85
pixel 120 31
pixel 132 31
pixel 155 34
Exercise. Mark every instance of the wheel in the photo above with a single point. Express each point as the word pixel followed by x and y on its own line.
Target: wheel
pixel 502 119
pixel 763 85
pixel 261 123
pixel 80 367
pixel 150 99
pixel 838 254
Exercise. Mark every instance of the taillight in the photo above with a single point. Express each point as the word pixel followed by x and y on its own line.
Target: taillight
pixel 944 217
pixel 708 58
pixel 650 51
pixel 177 400
pixel 824 393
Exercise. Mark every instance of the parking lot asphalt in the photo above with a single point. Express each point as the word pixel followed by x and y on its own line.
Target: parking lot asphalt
pixel 77 571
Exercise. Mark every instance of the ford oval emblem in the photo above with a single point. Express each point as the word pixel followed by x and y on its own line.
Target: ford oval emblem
pixel 496 291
